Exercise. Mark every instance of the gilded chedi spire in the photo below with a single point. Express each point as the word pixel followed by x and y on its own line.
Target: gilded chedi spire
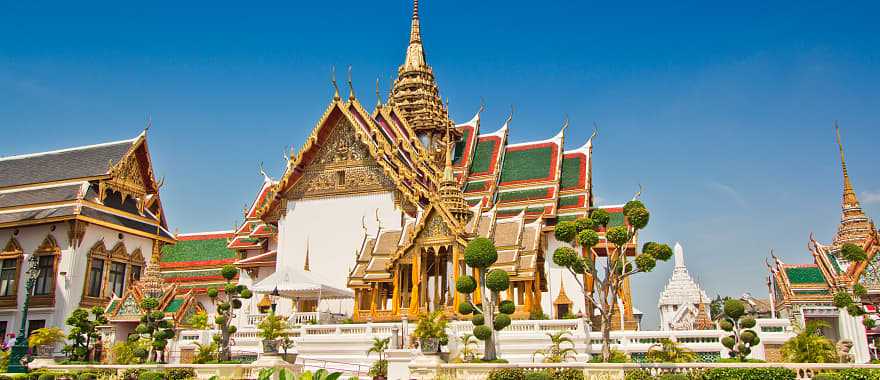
pixel 416 95
pixel 450 191
pixel 855 226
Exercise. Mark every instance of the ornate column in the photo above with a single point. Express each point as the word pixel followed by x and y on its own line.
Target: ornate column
pixel 416 280
pixel 455 274
pixel 395 295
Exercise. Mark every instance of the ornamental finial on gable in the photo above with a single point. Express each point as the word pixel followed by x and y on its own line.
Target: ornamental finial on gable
pixel 333 81
pixel 350 85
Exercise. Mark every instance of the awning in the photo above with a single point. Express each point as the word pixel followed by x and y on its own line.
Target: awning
pixel 299 284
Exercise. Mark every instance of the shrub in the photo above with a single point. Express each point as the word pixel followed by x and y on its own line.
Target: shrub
pixel 507 374
pixel 637 374
pixel 152 375
pixel 538 375
pixel 827 376
pixel 180 373
pixel 480 253
pixel 749 374
pixel 674 376
pixel 858 374
pixel 568 374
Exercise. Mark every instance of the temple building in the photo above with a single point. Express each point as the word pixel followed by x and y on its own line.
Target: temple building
pixel 683 303
pixel 804 292
pixel 92 217
pixel 391 197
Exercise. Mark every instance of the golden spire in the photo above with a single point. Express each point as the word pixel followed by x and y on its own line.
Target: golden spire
pixel 333 81
pixel 306 264
pixel 855 226
pixel 415 54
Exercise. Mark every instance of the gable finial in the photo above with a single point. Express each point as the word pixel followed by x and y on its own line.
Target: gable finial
pixel 482 106
pixel 595 130
pixel 510 116
pixel 638 193
pixel 333 81
pixel 350 86
pixel 149 123
pixel 565 123
pixel 378 95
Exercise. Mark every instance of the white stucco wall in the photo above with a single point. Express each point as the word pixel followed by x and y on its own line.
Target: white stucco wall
pixel 557 275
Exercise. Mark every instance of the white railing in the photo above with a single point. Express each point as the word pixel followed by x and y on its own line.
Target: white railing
pixel 298 318
pixel 203 371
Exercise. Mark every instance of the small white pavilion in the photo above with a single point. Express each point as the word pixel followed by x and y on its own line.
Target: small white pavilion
pixel 683 303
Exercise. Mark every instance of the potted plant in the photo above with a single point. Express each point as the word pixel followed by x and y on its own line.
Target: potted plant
pixel 379 370
pixel 431 332
pixel 45 339
pixel 272 328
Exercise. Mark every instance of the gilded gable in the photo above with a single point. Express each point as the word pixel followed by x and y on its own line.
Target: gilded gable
pixel 342 166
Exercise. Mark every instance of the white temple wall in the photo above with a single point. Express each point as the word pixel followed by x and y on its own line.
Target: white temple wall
pixel 71 271
pixel 557 275
pixel 333 229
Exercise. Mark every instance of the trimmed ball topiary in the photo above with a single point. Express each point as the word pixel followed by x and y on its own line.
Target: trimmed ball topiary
pixel 246 294
pixel 233 329
pixel 501 321
pixel 860 290
pixel 748 336
pixel 230 289
pixel 480 253
pixel 726 325
pixel 465 284
pixel 645 262
pixel 157 315
pixel 852 252
pixel 748 322
pixel 600 216
pixel 564 256
pixel 229 271
pixel 579 266
pixel 236 303
pixel 584 224
pixel 465 308
pixel 728 342
pixel 632 205
pixel 507 307
pixel 663 252
pixel 842 299
pixel 482 332
pixel 220 319
pixel 617 235
pixel 565 231
pixel 638 218
pixel 588 238
pixel 478 320
pixel 141 329
pixel 497 280
pixel 223 307
pixel 734 308
pixel 213 292
pixel 149 303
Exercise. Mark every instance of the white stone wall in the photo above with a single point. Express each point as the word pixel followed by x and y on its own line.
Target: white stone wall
pixel 557 275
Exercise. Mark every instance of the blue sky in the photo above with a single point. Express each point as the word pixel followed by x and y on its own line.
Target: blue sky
pixel 723 113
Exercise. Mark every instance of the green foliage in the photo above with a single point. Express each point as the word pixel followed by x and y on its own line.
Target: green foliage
pixel 152 375
pixel 465 284
pixel 749 374
pixel 726 325
pixel 272 327
pixel 600 217
pixel 478 320
pixel 198 321
pixel 83 332
pixel 748 322
pixel 632 205
pixel 46 336
pixel 557 352
pixel 180 373
pixel 617 235
pixel 431 325
pixel 379 368
pixel 501 321
pixel 564 256
pixel 507 374
pixel 674 376
pixel 734 309
pixel 213 292
pixel 827 376
pixel 852 252
pixel 465 308
pixel 129 352
pixel 497 280
pixel 860 290
pixel 637 374
pixel 842 299
pixel 566 231
pixel 859 374
pixel 482 332
pixel 584 224
pixel 538 375
pixel 662 252
pixel 645 262
pixel 637 216
pixel 507 307
pixel 149 303
pixel 567 374
pixel 668 351
pixel 480 253
pixel 206 353
pixel 809 346
pixel 588 238
pixel 228 271
pixel 616 356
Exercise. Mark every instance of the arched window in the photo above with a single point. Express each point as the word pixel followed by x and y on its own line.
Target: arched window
pixel 47 255
pixel 10 269
pixel 95 269
pixel 110 272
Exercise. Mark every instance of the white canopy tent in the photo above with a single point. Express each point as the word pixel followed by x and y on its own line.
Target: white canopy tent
pixel 299 284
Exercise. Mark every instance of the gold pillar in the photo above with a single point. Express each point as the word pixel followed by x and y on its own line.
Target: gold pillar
pixel 455 274
pixel 373 298
pixel 530 290
pixel 357 304
pixel 435 301
pixel 395 295
pixel 416 279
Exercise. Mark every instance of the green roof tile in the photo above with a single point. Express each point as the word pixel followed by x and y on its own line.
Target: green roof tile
pixel 811 292
pixel 527 164
pixel 524 195
pixel 191 273
pixel 483 156
pixel 460 145
pixel 569 200
pixel 174 305
pixel 475 186
pixel 834 263
pixel 805 275
pixel 197 250
pixel 571 172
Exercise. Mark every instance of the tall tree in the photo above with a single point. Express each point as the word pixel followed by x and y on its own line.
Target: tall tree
pixel 83 332
pixel 227 303
pixel 490 313
pixel 155 329
pixel 608 276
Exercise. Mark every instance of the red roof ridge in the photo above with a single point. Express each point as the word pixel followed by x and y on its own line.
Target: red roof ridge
pixel 210 235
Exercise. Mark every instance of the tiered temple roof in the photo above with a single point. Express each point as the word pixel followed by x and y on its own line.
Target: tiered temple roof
pixel 818 281
pixel 109 184
pixel 194 262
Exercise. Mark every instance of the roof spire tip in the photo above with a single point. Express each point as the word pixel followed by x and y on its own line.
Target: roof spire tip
pixel 350 85
pixel 333 81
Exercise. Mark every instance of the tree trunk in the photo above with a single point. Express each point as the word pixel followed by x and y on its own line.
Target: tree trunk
pixel 588 341
pixel 606 337
pixel 489 317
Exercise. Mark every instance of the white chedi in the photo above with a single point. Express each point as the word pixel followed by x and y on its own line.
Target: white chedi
pixel 682 299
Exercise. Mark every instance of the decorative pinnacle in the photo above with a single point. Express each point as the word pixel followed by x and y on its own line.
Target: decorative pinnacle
pixel 378 95
pixel 350 86
pixel 333 80
pixel 415 35
pixel 849 195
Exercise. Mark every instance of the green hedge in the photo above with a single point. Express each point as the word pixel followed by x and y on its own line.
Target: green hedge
pixel 749 374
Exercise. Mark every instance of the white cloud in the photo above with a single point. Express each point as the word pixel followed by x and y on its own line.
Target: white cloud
pixel 730 192
pixel 870 197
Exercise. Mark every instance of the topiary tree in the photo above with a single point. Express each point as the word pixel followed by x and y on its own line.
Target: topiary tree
pixel 735 321
pixel 83 332
pixel 490 313
pixel 609 275
pixel 155 329
pixel 227 303
pixel 852 299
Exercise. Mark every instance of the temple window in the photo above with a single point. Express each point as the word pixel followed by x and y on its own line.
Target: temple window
pixel 96 274
pixel 47 258
pixel 340 178
pixel 135 273
pixel 9 271
pixel 117 278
